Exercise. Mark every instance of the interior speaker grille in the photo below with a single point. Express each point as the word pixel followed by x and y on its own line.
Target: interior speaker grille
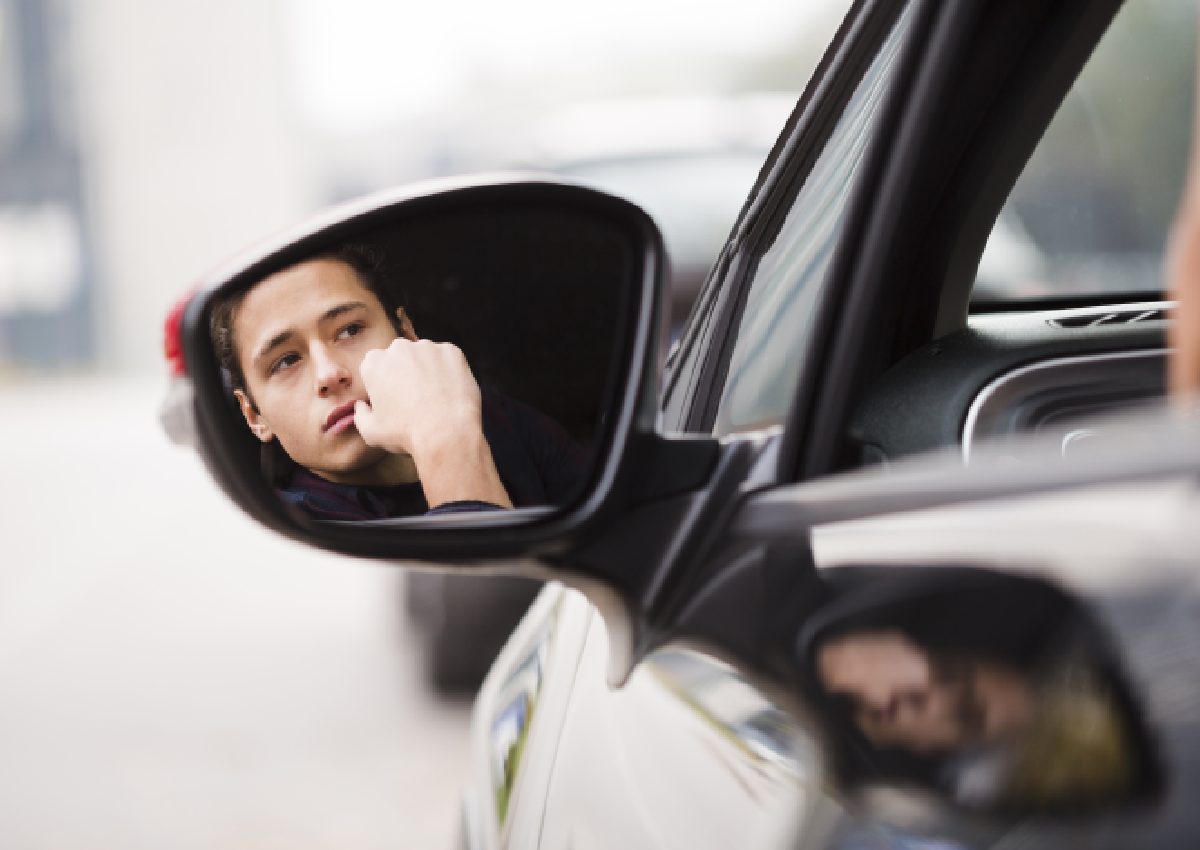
pixel 1116 317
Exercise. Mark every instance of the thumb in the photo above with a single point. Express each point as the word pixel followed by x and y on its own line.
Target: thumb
pixel 364 421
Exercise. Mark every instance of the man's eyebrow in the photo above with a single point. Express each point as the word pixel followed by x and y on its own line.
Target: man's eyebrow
pixel 334 312
pixel 274 342
pixel 284 335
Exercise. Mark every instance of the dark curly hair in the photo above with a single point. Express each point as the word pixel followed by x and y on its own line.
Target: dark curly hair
pixel 365 263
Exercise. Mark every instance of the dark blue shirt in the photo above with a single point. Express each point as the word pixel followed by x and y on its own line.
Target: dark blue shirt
pixel 538 462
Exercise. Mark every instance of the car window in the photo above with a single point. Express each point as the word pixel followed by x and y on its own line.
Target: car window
pixel 1091 209
pixel 774 330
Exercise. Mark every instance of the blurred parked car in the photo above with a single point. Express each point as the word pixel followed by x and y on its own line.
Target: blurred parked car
pixel 688 161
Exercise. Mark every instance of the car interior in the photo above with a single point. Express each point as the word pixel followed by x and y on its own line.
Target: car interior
pixel 1027 294
pixel 1017 372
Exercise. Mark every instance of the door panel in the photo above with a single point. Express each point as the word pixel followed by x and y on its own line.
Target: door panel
pixel 686 754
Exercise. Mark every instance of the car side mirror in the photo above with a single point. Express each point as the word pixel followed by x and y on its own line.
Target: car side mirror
pixel 545 297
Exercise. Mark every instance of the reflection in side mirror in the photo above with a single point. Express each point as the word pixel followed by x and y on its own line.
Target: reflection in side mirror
pixel 462 352
pixel 998 694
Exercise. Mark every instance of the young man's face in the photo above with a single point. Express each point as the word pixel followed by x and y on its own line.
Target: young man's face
pixel 301 335
pixel 897 696
pixel 902 696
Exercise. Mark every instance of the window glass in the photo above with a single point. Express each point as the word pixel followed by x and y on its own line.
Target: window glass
pixel 1091 210
pixel 774 330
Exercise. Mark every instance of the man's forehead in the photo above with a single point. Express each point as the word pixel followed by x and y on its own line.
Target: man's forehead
pixel 296 296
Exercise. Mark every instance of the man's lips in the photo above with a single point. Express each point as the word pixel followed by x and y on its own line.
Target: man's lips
pixel 340 418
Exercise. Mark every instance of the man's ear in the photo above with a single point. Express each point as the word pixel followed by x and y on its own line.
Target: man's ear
pixel 253 418
pixel 406 326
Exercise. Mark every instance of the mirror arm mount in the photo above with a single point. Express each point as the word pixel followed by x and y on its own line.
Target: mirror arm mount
pixel 675 464
pixel 655 564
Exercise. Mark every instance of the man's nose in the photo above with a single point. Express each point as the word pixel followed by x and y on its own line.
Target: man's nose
pixel 329 372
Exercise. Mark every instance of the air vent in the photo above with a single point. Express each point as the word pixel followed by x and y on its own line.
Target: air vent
pixel 1116 317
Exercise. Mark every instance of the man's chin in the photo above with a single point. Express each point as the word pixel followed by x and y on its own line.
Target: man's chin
pixel 345 467
pixel 376 468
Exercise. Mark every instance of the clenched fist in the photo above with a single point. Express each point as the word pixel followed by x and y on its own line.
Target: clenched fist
pixel 424 402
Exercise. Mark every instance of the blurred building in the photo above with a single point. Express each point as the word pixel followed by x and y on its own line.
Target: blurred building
pixel 47 288
pixel 140 143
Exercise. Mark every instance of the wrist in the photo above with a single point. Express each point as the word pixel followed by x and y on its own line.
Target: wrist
pixel 458 467
pixel 451 434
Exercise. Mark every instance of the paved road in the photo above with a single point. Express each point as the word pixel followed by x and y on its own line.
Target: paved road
pixel 171 675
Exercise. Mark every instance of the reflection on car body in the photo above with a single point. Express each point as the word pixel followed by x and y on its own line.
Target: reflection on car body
pixel 997 690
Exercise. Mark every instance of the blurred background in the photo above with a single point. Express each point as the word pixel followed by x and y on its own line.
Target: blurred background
pixel 170 674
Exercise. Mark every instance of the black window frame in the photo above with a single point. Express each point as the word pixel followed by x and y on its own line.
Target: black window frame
pixel 708 341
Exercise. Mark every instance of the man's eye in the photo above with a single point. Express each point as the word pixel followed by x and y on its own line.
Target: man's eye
pixel 284 362
pixel 352 329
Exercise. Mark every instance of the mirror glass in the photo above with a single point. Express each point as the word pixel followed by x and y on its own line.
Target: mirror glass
pixel 454 361
pixel 997 693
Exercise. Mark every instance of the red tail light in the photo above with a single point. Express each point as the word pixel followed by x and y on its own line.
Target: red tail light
pixel 172 338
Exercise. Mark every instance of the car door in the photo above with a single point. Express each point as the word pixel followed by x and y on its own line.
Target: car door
pixel 774 354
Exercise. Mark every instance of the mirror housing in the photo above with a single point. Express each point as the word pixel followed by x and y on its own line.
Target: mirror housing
pixel 624 438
